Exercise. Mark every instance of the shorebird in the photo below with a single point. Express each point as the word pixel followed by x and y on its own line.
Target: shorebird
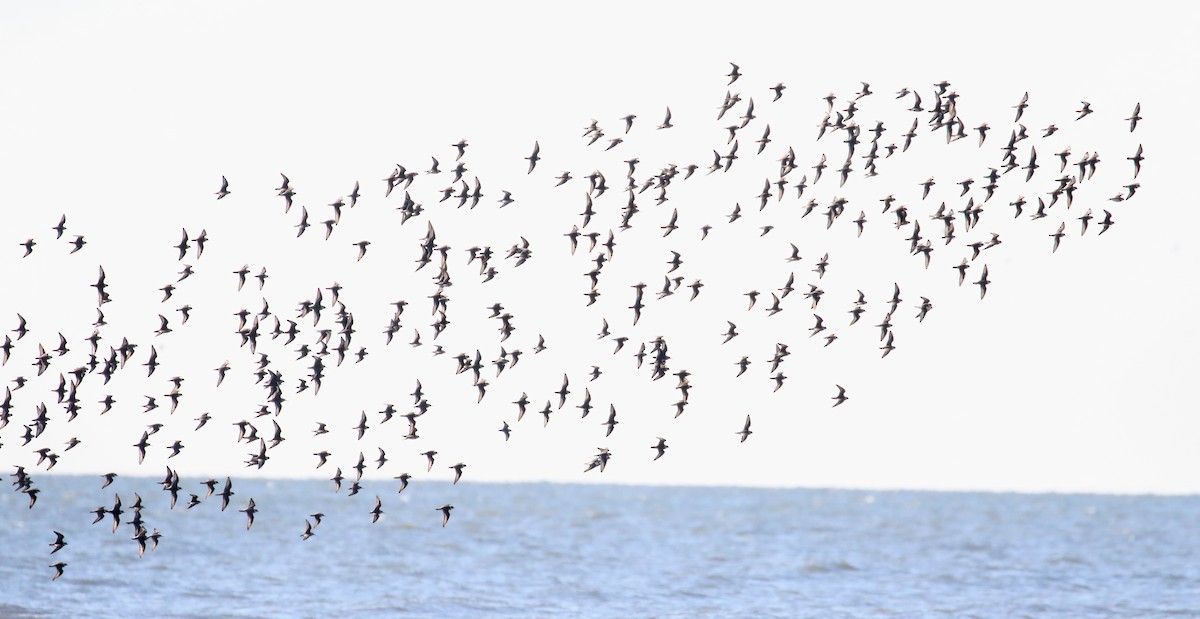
pixel 59 542
pixel 1135 117
pixel 533 158
pixel 840 397
pixel 376 511
pixel 983 282
pixel 458 468
pixel 745 431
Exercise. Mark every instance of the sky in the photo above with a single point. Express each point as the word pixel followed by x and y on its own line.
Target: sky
pixel 1074 374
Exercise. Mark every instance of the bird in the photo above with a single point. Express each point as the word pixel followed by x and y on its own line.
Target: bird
pixel 745 431
pixel 982 129
pixel 660 448
pixel 563 391
pixel 533 157
pixel 887 347
pixel 249 511
pixel 445 509
pixel 224 190
pixel 58 570
pixel 59 542
pixel 1085 110
pixel 226 493
pixel 1032 165
pixel 376 511
pixel 1021 107
pixel 324 457
pixel 924 308
pixel 666 123
pixel 840 397
pixel 1137 161
pixel 731 333
pixel 142 445
pixel 983 282
pixel 1135 117
pixel 611 422
pixel 1058 236
pixel 600 460
pixel 629 118
pixel 458 468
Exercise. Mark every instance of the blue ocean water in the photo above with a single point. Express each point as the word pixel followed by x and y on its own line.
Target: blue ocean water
pixel 553 550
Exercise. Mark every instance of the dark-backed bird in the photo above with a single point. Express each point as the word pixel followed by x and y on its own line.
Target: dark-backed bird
pixel 840 397
pixel 58 543
pixel 745 431
pixel 660 448
pixel 458 469
pixel 1133 119
pixel 533 157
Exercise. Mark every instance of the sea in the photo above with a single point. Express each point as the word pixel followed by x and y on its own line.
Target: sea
pixel 590 550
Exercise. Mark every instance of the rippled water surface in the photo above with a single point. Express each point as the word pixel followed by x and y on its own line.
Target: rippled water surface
pixel 531 550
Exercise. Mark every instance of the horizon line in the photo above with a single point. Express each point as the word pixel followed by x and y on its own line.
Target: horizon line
pixel 713 486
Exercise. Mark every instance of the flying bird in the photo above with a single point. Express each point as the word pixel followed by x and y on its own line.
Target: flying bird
pixel 840 397
pixel 376 511
pixel 983 282
pixel 660 448
pixel 533 157
pixel 59 542
pixel 1058 236
pixel 745 431
pixel 1135 117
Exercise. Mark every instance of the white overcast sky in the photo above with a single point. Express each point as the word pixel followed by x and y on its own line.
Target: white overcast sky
pixel 1076 373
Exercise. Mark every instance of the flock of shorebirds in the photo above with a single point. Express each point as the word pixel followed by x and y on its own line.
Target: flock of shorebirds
pixel 331 335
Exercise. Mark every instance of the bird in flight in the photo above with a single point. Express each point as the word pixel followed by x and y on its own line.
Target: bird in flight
pixel 745 431
pixel 533 157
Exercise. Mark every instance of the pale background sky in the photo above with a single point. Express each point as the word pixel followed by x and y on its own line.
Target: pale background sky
pixel 1076 373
